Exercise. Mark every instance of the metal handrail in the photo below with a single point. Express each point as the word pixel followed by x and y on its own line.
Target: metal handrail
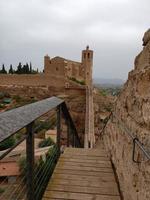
pixel 13 120
pixel 23 117
pixel 134 138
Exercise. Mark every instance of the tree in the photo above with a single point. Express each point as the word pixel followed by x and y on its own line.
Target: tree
pixel 19 69
pixel 30 68
pixel 11 71
pixel 27 69
pixel 23 71
pixel 3 71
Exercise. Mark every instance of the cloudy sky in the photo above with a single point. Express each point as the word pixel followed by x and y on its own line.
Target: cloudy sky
pixel 29 29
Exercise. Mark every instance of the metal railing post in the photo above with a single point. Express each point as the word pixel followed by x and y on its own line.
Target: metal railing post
pixel 58 126
pixel 73 139
pixel 30 161
pixel 68 133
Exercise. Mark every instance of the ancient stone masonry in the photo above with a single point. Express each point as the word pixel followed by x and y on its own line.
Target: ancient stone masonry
pixel 60 76
pixel 87 60
pixel 59 66
pixel 58 71
pixel 133 110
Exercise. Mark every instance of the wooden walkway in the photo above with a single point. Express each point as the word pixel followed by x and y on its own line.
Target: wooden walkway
pixel 83 174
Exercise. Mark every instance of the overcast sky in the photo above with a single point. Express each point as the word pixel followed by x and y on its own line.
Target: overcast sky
pixel 29 29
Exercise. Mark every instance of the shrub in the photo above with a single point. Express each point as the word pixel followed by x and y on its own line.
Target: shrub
pixel 77 81
pixel 7 95
pixel 7 143
pixel 2 190
pixel 17 98
pixel 46 125
pixel 46 142
pixel 103 92
pixel 2 106
pixel 2 95
pixel 20 134
pixel 22 165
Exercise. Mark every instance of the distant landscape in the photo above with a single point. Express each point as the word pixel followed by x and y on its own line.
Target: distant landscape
pixel 109 86
pixel 108 82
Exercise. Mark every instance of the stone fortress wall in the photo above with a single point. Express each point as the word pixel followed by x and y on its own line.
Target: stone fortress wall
pixel 30 80
pixel 57 72
pixel 62 67
pixel 133 110
pixel 62 78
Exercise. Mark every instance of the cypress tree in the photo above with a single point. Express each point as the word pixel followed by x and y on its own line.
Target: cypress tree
pixel 23 71
pixel 11 71
pixel 19 69
pixel 3 71
pixel 27 69
pixel 30 71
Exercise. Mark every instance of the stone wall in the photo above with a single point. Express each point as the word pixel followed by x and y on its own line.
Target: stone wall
pixel 54 67
pixel 76 103
pixel 38 92
pixel 59 66
pixel 133 110
pixel 75 69
pixel 31 80
pixel 56 73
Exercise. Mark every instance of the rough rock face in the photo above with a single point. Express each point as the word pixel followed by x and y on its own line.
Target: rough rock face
pixel 133 109
pixel 76 106
pixel 146 37
pixel 102 107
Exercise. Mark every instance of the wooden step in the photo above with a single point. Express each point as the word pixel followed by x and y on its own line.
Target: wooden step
pixel 84 168
pixel 83 174
pixel 77 196
pixel 103 177
pixel 81 160
pixel 86 157
pixel 85 183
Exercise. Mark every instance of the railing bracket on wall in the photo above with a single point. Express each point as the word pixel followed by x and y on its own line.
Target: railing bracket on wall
pixel 133 152
pixel 114 119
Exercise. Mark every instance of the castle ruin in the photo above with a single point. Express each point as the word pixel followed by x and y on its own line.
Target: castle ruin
pixel 57 72
pixel 81 71
pixel 60 75
pixel 61 67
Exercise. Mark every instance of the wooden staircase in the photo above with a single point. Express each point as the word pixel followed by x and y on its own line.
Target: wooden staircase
pixel 83 174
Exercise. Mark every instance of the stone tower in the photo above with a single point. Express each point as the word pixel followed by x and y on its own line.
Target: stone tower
pixel 87 62
pixel 46 64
